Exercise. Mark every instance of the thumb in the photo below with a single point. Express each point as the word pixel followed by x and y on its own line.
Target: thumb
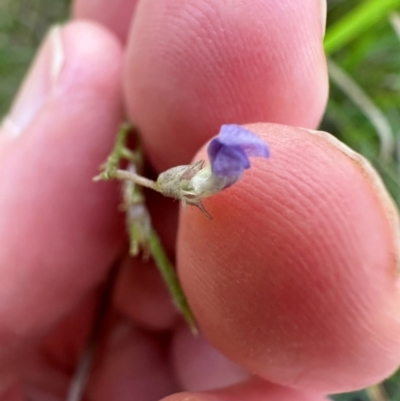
pixel 296 278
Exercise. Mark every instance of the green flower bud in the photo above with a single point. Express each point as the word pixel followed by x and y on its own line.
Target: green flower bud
pixel 171 182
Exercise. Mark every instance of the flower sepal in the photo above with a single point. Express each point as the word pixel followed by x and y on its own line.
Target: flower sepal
pixel 228 155
pixel 177 183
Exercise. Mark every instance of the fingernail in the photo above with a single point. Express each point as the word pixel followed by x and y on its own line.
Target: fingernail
pixel 374 180
pixel 36 88
pixel 324 11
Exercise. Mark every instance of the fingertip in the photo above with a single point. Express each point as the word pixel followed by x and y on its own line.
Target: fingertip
pixel 198 366
pixel 252 390
pixel 116 18
pixel 96 54
pixel 131 367
pixel 192 66
pixel 295 277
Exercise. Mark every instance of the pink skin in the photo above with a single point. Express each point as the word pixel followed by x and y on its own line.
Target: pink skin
pixel 315 277
pixel 116 18
pixel 295 278
pixel 225 63
pixel 253 390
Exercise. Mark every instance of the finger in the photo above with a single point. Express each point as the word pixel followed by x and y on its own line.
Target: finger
pixel 116 18
pixel 198 366
pixel 47 369
pixel 132 368
pixel 59 230
pixel 192 65
pixel 63 345
pixel 13 393
pixel 296 277
pixel 142 296
pixel 254 390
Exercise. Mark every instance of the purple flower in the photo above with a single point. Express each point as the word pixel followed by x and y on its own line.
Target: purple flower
pixel 229 152
pixel 229 156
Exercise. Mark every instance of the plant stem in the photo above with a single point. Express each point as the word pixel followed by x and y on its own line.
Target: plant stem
pixel 117 153
pixel 136 178
pixel 138 220
pixel 171 279
pixel 142 236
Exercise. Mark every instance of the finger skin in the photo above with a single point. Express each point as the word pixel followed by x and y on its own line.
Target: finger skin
pixel 141 295
pixel 296 276
pixel 132 368
pixel 198 366
pixel 117 18
pixel 253 390
pixel 59 230
pixel 62 346
pixel 14 393
pixel 47 369
pixel 193 65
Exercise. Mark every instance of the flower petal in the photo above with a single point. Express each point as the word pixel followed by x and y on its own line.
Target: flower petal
pixel 253 146
pixel 227 161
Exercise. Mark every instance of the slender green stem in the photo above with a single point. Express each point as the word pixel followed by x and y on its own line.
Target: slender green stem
pixel 134 157
pixel 142 236
pixel 124 175
pixel 120 144
pixel 138 220
pixel 136 178
pixel 171 279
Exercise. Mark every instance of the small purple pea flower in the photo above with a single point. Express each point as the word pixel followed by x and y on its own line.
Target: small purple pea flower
pixel 228 153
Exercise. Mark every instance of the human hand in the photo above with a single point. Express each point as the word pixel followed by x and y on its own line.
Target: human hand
pixel 295 279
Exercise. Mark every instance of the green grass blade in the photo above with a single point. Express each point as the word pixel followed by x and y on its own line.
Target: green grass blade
pixel 357 21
